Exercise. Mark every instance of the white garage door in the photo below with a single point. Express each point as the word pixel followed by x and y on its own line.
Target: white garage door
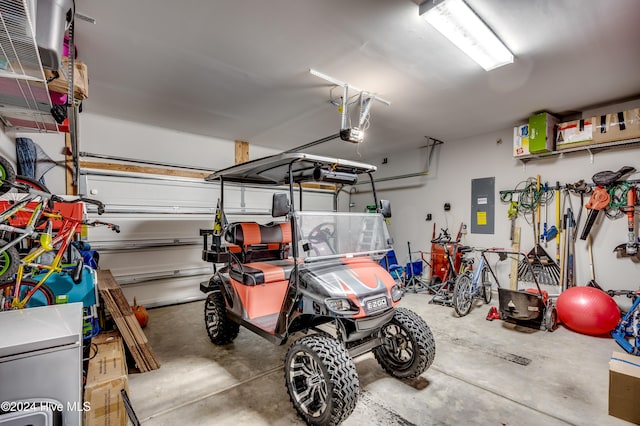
pixel 157 256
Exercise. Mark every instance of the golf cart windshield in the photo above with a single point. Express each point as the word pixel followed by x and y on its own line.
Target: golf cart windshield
pixel 325 235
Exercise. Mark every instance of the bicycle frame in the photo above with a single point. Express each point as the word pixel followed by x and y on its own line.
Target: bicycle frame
pixel 29 229
pixel 477 276
pixel 63 237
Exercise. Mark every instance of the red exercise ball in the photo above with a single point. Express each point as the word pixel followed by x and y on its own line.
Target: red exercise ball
pixel 588 310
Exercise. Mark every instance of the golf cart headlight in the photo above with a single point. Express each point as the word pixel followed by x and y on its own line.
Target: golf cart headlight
pixel 338 305
pixel 396 293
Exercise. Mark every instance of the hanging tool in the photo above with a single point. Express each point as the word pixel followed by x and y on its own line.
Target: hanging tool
pixel 630 248
pixel 600 195
pixel 539 262
pixel 592 282
pixel 598 201
pixel 581 188
pixel 563 261
pixel 558 218
pixel 571 261
pixel 512 213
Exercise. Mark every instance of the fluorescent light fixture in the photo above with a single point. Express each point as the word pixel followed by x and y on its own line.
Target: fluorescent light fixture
pixel 457 22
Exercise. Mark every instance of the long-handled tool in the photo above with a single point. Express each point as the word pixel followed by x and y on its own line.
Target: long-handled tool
pixel 592 282
pixel 546 270
pixel 630 248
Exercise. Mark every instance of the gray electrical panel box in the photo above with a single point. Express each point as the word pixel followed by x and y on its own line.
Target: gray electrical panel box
pixel 483 205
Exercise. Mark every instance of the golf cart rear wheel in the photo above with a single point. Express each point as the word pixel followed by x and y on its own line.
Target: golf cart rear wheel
pixel 220 328
pixel 486 286
pixel 408 347
pixel 462 295
pixel 321 379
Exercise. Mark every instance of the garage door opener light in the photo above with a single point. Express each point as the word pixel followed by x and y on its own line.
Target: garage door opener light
pixel 350 133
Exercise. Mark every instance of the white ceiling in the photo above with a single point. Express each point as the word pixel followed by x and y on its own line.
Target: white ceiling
pixel 238 69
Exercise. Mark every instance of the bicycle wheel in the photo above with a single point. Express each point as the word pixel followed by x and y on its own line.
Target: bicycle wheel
pixel 43 296
pixel 462 294
pixel 487 284
pixel 13 195
pixel 7 174
pixel 9 261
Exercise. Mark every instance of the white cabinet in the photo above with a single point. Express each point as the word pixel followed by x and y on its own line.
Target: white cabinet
pixel 41 360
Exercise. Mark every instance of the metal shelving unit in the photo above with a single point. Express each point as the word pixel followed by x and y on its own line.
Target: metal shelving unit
pixel 24 99
pixel 591 149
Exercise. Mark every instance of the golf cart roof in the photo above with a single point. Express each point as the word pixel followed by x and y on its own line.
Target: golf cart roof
pixel 274 170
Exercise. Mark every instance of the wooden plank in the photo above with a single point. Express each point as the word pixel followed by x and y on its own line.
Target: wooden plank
pixel 68 163
pixel 142 169
pixel 242 152
pixel 129 328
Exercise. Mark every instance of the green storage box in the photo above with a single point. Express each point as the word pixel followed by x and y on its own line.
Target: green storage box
pixel 542 133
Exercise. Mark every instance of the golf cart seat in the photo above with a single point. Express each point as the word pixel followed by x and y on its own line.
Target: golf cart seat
pixel 260 242
pixel 261 274
pixel 257 273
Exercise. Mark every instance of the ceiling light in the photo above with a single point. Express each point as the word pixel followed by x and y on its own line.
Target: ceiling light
pixel 457 22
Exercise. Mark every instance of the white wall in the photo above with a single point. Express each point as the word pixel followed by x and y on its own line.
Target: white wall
pixel 109 136
pixel 456 163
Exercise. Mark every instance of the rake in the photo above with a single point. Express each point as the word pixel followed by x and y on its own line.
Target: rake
pixel 545 269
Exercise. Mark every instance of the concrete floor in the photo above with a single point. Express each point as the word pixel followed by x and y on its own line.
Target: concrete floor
pixel 485 372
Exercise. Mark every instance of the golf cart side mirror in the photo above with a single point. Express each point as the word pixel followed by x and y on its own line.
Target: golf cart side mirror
pixel 279 204
pixel 384 208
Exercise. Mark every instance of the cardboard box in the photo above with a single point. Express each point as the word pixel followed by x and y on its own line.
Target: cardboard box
pixel 624 387
pixel 521 140
pixel 106 377
pixel 105 405
pixel 109 362
pixel 618 126
pixel 80 80
pixel 542 133
pixel 575 133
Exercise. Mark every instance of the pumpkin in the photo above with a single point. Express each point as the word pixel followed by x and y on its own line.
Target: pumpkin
pixel 140 313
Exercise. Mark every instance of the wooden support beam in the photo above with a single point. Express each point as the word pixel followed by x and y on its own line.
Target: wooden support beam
pixel 242 152
pixel 68 164
pixel 142 169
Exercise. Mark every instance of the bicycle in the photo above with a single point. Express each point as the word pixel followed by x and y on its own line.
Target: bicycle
pixel 472 285
pixel 18 292
pixel 443 290
pixel 627 333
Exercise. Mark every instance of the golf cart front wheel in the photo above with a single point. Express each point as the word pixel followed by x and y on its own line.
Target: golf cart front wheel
pixel 408 347
pixel 220 328
pixel 321 379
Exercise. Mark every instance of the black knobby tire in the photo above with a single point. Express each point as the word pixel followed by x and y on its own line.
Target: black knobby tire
pixel 7 175
pixel 408 347
pixel 486 285
pixel 9 261
pixel 321 380
pixel 220 328
pixel 462 295
pixel 42 297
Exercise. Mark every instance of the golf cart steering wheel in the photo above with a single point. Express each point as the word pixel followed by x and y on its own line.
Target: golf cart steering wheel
pixel 323 233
